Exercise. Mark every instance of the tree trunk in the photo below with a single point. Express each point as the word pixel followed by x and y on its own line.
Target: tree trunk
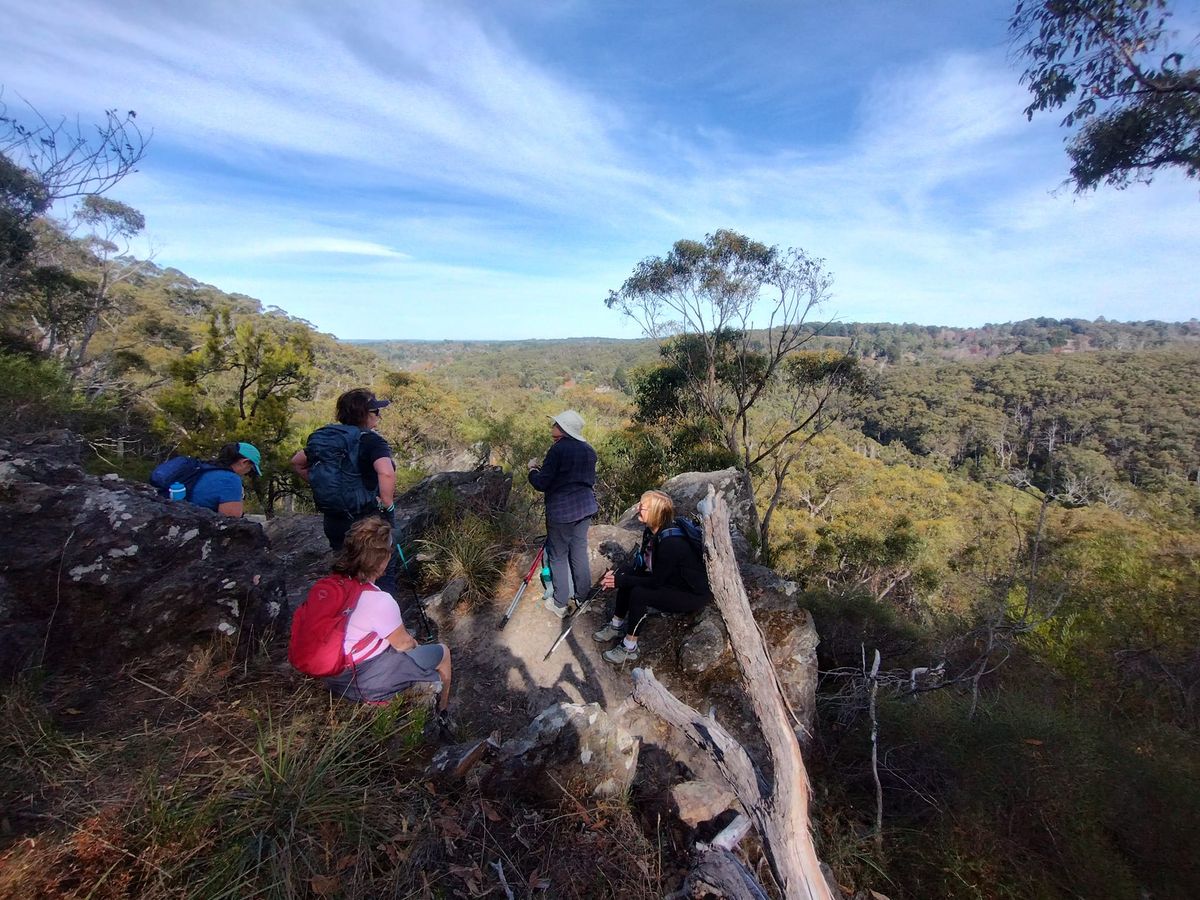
pixel 781 812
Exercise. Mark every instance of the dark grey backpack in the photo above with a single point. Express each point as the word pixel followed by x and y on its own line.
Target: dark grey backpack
pixel 333 471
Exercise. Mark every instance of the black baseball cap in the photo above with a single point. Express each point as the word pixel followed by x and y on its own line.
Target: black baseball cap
pixel 376 404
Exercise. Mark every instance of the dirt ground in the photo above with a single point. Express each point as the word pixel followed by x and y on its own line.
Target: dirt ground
pixel 501 678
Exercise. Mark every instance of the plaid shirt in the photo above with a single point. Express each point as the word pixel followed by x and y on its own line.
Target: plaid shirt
pixel 566 478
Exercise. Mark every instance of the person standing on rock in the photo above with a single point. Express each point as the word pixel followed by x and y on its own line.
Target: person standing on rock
pixel 567 476
pixel 668 575
pixel 350 469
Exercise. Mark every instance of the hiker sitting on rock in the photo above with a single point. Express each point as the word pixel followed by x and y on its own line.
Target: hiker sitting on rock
pixel 668 575
pixel 384 659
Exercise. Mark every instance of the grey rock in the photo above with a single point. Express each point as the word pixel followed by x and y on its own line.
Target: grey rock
pixel 689 488
pixel 701 801
pixel 705 646
pixel 568 747
pixel 610 546
pixel 483 491
pixel 102 571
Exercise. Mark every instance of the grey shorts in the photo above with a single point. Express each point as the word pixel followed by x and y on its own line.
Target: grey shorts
pixel 386 675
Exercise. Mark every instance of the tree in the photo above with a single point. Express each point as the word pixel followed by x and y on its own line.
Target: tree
pixel 65 159
pixel 242 385
pixel 44 162
pixel 1121 74
pixel 729 374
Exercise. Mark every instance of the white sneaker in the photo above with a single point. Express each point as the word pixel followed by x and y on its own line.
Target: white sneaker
pixel 560 611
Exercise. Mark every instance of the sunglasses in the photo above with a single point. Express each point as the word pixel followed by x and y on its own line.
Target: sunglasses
pixel 377 413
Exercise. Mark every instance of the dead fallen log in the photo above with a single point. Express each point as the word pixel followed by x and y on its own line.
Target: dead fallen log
pixel 779 810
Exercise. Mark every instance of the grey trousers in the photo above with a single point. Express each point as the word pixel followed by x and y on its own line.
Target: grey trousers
pixel 567 550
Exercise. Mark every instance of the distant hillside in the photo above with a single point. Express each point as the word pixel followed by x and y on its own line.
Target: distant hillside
pixel 544 364
pixel 549 363
pixel 1031 337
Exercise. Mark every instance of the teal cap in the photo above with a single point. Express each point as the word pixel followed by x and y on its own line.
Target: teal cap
pixel 250 452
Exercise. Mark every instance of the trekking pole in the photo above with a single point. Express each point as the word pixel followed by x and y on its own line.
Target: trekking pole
pixel 591 595
pixel 534 566
pixel 426 625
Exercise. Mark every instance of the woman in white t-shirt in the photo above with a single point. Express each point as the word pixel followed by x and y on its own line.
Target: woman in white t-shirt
pixel 393 661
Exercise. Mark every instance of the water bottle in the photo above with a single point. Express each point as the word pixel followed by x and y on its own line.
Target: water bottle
pixel 177 491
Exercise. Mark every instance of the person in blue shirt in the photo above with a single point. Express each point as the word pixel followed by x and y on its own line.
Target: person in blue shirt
pixel 567 476
pixel 220 488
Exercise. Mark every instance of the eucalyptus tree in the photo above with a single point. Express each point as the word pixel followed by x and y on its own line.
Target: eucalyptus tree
pixel 734 314
pixel 1122 76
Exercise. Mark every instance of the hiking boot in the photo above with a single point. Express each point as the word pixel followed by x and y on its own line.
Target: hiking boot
pixel 620 654
pixel 608 632
pixel 560 611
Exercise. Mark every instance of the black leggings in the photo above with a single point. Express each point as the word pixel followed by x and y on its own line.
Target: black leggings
pixel 632 602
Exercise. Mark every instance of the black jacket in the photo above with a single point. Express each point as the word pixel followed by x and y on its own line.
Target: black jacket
pixel 674 564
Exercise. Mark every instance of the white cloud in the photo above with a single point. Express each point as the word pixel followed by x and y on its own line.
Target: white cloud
pixel 415 159
pixel 309 245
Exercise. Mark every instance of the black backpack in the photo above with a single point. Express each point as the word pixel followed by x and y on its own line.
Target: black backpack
pixel 333 471
pixel 687 529
pixel 184 469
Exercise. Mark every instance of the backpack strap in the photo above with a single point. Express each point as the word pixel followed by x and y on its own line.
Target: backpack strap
pixel 370 640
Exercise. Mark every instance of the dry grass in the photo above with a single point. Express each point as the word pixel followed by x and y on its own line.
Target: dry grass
pixel 241 781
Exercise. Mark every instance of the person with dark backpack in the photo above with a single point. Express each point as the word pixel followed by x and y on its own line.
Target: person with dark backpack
pixel 668 574
pixel 349 467
pixel 350 634
pixel 215 485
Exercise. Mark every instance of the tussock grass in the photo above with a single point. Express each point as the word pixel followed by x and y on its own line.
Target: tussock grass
pixel 278 795
pixel 35 754
pixel 469 548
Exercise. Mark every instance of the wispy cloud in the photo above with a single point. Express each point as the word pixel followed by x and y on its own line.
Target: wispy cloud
pixel 428 166
pixel 310 245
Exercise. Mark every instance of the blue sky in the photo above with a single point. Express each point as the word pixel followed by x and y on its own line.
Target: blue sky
pixel 492 169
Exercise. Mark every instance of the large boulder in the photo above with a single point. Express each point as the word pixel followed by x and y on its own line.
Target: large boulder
pixel 101 572
pixel 791 637
pixel 483 491
pixel 569 746
pixel 689 488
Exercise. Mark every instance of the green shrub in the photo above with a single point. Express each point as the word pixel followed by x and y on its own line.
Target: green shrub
pixel 1029 799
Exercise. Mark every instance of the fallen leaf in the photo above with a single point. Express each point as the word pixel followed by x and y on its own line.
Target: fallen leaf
pixel 346 862
pixel 1034 742
pixel 324 885
pixel 490 811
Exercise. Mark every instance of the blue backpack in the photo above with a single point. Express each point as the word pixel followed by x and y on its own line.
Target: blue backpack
pixel 333 471
pixel 687 529
pixel 184 469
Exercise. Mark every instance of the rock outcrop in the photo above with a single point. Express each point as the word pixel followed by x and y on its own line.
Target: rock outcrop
pixel 569 746
pixel 102 572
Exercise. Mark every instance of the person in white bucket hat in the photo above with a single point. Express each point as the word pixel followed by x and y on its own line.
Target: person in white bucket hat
pixel 567 476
